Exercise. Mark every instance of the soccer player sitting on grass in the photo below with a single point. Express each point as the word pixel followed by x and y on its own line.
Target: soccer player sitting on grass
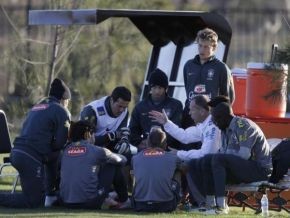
pixel 87 171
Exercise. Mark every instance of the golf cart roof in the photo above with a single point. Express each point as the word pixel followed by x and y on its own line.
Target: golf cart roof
pixel 159 27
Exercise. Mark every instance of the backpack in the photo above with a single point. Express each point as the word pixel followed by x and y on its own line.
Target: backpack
pixel 280 160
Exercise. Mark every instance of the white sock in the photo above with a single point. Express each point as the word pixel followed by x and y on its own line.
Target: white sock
pixel 221 202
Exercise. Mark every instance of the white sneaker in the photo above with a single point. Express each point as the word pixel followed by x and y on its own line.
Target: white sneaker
pixel 113 195
pixel 110 202
pixel 49 200
pixel 217 211
pixel 125 205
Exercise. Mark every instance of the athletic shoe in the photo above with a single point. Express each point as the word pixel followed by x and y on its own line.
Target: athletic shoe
pixel 201 208
pixel 123 205
pixel 110 202
pixel 50 200
pixel 113 195
pixel 217 211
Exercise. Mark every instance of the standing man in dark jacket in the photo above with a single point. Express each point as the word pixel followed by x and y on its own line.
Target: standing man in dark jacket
pixel 140 123
pixel 44 132
pixel 205 74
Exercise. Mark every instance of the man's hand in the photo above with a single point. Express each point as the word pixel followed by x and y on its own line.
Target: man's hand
pixel 123 132
pixel 123 147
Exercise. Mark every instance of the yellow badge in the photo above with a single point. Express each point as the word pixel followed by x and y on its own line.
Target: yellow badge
pixel 240 123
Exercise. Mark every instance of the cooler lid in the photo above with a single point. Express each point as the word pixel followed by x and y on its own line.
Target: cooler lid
pixel 239 72
pixel 257 65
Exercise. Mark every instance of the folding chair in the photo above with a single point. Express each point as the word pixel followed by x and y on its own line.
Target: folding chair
pixel 5 148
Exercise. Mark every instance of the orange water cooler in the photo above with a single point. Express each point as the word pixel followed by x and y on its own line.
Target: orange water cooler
pixel 240 78
pixel 266 90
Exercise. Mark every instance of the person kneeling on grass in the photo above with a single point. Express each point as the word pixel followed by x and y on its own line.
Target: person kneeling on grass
pixel 153 168
pixel 87 171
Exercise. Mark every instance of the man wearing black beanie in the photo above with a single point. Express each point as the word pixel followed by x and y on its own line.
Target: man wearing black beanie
pixel 43 135
pixel 140 123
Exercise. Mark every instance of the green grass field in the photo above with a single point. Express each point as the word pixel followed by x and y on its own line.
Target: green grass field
pixel 6 185
pixel 62 212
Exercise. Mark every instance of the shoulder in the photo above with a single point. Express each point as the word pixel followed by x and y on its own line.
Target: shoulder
pixel 243 123
pixel 192 60
pixel 141 105
pixel 55 106
pixel 221 65
pixel 173 101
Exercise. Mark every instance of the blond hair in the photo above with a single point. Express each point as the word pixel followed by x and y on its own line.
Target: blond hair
pixel 208 34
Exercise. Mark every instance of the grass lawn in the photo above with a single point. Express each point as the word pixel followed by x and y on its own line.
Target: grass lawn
pixel 62 212
pixel 6 184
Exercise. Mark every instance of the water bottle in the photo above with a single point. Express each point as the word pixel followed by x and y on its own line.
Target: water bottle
pixel 265 206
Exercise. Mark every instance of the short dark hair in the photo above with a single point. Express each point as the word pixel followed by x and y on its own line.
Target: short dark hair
pixel 202 101
pixel 157 137
pixel 222 109
pixel 219 99
pixel 121 92
pixel 78 129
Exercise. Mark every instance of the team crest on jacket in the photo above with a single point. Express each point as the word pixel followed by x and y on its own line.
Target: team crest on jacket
pixel 199 88
pixel 167 111
pixel 76 150
pixel 210 74
pixel 101 111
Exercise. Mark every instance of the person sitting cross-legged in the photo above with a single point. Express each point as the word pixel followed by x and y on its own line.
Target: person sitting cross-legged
pixel 155 190
pixel 87 170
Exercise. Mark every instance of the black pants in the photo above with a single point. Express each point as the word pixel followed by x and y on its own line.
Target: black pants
pixel 222 169
pixel 195 181
pixel 31 173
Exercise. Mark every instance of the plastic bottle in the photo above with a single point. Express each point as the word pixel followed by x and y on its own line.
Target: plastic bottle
pixel 265 206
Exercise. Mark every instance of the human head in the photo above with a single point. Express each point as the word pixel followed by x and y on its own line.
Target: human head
pixel 80 130
pixel 157 138
pixel 119 100
pixel 207 40
pixel 158 83
pixel 199 108
pixel 222 115
pixel 59 90
pixel 218 99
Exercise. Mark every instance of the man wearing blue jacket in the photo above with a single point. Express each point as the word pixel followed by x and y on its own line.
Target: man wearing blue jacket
pixel 158 100
pixel 43 134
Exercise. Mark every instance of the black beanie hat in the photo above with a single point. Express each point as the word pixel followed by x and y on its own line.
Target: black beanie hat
pixel 59 89
pixel 159 78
